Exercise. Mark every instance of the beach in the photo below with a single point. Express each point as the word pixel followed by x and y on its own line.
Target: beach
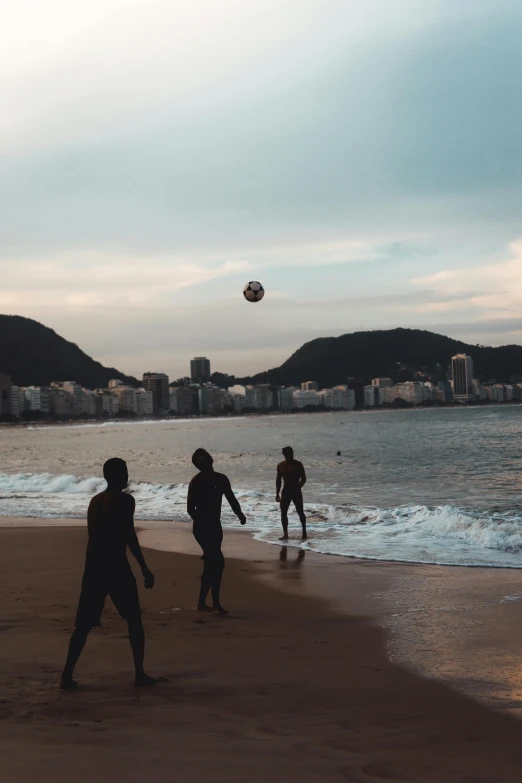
pixel 298 684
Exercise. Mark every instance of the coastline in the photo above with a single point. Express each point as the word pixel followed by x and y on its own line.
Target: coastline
pixel 286 688
pixel 70 423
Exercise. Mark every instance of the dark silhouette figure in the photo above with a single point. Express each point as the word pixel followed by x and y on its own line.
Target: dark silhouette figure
pixel 291 474
pixel 108 572
pixel 205 495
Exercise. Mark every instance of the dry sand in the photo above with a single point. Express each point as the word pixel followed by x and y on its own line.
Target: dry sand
pixel 288 688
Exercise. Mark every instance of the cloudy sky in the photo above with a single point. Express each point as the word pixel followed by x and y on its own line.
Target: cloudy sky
pixel 361 158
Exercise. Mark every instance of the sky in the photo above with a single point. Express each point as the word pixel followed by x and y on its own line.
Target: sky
pixel 361 158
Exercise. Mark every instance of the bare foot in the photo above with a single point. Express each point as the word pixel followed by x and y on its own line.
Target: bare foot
pixel 144 681
pixel 304 537
pixel 68 684
pixel 220 612
pixel 204 608
pixel 284 538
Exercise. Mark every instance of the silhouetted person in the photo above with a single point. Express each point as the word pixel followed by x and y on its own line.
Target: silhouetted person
pixel 205 495
pixel 291 474
pixel 108 572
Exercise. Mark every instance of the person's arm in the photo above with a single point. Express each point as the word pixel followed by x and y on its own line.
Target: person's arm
pixel 134 546
pixel 192 506
pixel 91 518
pixel 234 503
pixel 279 480
pixel 302 477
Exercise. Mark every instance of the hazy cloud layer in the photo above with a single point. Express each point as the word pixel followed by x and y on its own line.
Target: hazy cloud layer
pixel 363 159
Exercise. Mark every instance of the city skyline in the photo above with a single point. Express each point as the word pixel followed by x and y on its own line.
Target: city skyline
pixel 261 141
pixel 197 396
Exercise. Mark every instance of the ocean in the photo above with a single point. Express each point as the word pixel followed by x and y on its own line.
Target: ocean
pixel 426 486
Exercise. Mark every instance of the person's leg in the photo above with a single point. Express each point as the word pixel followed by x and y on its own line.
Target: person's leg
pixel 137 642
pixel 285 505
pixel 76 645
pixel 88 615
pixel 206 581
pixel 217 562
pixel 124 595
pixel 205 577
pixel 299 507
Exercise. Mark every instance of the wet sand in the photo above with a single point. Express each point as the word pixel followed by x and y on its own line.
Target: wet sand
pixel 293 686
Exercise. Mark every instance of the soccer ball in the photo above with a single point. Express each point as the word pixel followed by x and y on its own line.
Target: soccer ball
pixel 253 291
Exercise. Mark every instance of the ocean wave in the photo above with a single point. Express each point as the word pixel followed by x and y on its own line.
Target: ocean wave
pixel 441 534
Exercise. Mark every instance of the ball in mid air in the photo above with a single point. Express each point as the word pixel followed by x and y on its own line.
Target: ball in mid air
pixel 253 291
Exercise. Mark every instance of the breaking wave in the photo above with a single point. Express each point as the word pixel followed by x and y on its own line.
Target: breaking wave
pixel 418 534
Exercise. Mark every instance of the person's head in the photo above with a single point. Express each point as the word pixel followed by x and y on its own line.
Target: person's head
pixel 288 453
pixel 115 473
pixel 202 460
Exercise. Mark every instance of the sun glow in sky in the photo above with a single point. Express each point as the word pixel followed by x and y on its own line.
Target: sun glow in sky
pixel 362 159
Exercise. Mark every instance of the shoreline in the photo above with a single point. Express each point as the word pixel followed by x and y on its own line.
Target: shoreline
pixel 286 688
pixel 71 423
pixel 9 520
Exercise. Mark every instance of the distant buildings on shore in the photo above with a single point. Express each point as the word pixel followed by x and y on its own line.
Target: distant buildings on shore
pixel 198 396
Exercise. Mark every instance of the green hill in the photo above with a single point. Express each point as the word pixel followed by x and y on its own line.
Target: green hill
pixel 35 355
pixel 394 353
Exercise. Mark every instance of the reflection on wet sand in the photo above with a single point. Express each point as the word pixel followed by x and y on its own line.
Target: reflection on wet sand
pixel 295 563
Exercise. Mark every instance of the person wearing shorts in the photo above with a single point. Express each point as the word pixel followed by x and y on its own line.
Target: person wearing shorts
pixel 204 499
pixel 291 475
pixel 110 522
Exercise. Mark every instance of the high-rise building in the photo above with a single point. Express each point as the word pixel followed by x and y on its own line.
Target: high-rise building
pixel 200 369
pixel 37 398
pixel 266 396
pixel 411 391
pixel 5 394
pixel 182 400
pixel 304 399
pixel 209 400
pixel 126 396
pixel 390 394
pixel 373 395
pixel 76 392
pixel 462 371
pixel 60 400
pixel 224 399
pixel 158 384
pixel 144 402
pixel 286 398
pixel 238 401
pixel 17 401
pixel 446 391
pixel 382 382
pixel 108 403
pixel 309 386
pixel 358 389
pixel 89 402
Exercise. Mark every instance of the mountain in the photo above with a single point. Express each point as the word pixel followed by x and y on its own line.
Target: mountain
pixel 35 355
pixel 393 353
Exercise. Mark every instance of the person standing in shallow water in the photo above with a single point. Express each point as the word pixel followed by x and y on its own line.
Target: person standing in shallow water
pixel 108 572
pixel 291 474
pixel 205 495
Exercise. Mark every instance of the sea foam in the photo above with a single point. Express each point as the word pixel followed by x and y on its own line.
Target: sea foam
pixel 441 534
